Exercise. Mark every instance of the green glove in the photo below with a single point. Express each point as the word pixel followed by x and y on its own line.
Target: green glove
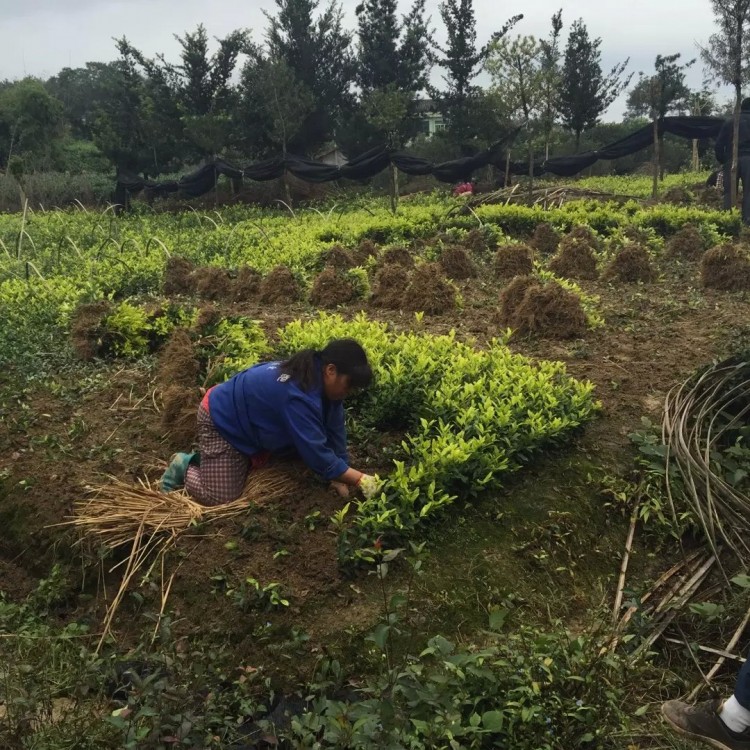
pixel 370 485
pixel 174 477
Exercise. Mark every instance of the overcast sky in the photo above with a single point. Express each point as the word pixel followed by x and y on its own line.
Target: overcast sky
pixel 39 37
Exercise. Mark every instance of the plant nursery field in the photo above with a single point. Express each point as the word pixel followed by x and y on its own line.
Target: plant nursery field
pixel 522 358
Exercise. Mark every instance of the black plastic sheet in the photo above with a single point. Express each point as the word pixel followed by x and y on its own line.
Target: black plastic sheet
pixel 682 127
pixel 377 159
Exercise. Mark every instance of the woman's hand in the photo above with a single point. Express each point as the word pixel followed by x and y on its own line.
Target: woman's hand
pixel 340 487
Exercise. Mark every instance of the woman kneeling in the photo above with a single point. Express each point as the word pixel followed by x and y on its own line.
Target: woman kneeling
pixel 275 407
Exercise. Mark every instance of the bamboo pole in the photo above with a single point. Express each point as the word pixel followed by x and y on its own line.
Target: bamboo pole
pixel 657 157
pixel 720 661
pixel 624 564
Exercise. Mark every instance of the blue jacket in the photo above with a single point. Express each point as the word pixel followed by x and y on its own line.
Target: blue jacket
pixel 260 409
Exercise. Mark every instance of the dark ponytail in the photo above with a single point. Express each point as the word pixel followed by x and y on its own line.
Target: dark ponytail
pixel 347 355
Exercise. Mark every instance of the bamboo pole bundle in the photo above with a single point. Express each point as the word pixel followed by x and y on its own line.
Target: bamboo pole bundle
pixel 697 415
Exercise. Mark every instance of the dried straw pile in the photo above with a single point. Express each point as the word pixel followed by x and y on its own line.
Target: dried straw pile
pixel 117 512
pixel 120 514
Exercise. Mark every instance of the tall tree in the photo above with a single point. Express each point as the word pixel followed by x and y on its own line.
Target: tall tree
pixel 550 63
pixel 518 80
pixel 393 52
pixel 515 66
pixel 82 91
pixel 282 103
pixel 463 61
pixel 662 93
pixel 137 127
pixel 585 91
pixel 318 51
pixel 659 94
pixel 31 123
pixel 727 60
pixel 197 89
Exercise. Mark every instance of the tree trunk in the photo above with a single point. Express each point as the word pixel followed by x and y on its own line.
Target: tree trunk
pixel 655 186
pixel 735 147
pixel 507 169
pixel 694 162
pixel 285 178
pixel 661 158
pixel 394 188
pixel 531 171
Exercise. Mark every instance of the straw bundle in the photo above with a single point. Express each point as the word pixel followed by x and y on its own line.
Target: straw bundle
pixel 151 521
pixel 118 511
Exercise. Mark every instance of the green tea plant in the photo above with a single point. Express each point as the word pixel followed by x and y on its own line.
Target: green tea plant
pixel 59 693
pixel 238 343
pixel 523 687
pixel 251 594
pixel 52 261
pixel 470 416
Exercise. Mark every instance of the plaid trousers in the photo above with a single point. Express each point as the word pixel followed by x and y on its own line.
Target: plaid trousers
pixel 223 470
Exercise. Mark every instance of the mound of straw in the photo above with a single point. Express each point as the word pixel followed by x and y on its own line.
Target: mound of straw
pixel 118 511
pixel 150 521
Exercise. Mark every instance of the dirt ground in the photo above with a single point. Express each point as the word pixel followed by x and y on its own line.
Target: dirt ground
pixel 105 419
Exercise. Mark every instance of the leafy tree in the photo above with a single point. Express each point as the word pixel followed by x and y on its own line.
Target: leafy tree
pixel 318 51
pixel 657 95
pixel 280 102
pixel 585 91
pixel 32 123
pixel 193 97
pixel 202 82
pixel 137 127
pixel 515 67
pixel 518 81
pixel 394 55
pixel 727 60
pixel 550 64
pixel 463 61
pixel 82 91
pixel 662 93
